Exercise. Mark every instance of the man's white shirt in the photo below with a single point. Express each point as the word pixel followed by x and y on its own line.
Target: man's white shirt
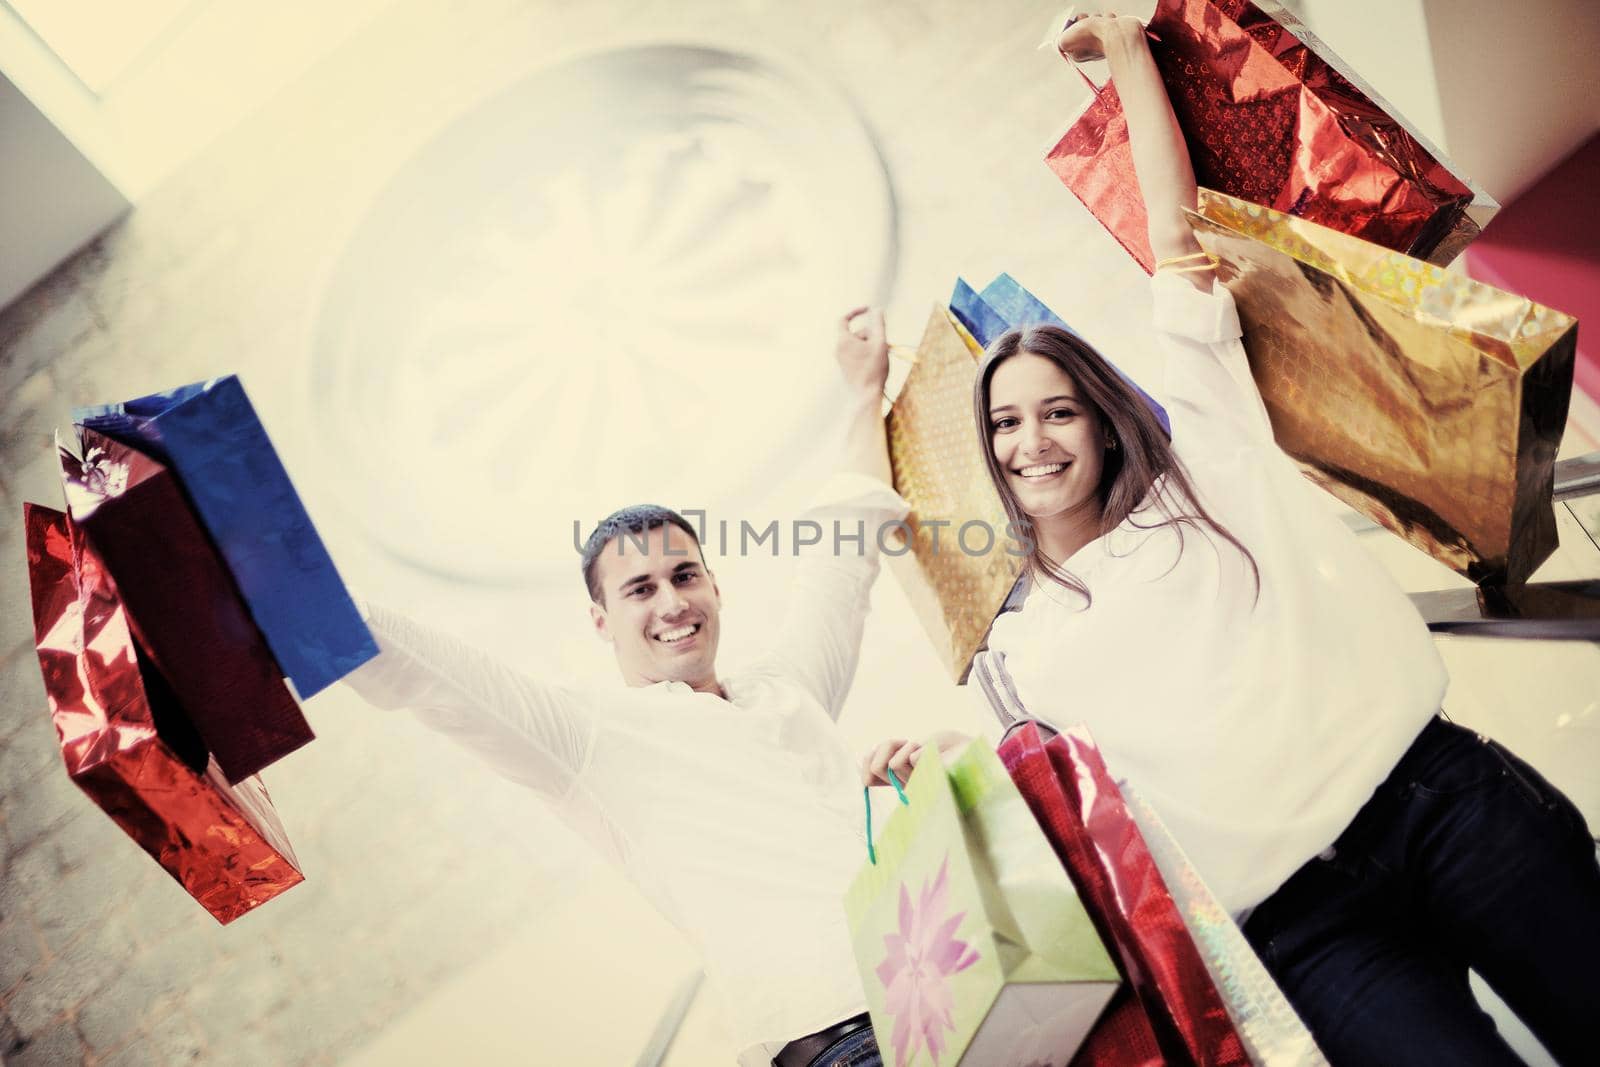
pixel 739 819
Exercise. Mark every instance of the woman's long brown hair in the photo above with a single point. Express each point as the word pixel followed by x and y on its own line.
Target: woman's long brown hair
pixel 1143 454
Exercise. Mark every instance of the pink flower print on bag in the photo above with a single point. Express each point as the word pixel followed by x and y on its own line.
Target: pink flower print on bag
pixel 921 957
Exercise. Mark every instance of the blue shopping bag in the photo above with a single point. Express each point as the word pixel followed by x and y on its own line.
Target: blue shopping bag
pixel 209 435
pixel 1004 305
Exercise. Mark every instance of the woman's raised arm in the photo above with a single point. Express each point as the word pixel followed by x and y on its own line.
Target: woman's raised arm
pixel 1160 156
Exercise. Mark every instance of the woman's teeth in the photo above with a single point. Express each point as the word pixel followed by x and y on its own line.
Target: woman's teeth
pixel 1042 470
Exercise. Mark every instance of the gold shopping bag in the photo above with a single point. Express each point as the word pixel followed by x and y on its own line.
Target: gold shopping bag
pixel 962 559
pixel 1429 402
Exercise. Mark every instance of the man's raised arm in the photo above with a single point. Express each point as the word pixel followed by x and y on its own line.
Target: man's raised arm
pixel 862 351
pixel 535 734
pixel 819 640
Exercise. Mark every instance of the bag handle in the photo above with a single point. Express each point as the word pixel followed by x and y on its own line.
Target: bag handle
pixel 866 796
pixel 1097 90
pixel 994 681
pixel 989 668
pixel 1066 19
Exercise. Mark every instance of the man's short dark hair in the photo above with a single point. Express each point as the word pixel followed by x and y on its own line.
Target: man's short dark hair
pixel 636 520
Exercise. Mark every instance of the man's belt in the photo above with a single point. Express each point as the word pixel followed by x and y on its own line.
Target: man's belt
pixel 802 1050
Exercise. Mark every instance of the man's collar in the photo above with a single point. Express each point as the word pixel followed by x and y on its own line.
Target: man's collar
pixel 672 686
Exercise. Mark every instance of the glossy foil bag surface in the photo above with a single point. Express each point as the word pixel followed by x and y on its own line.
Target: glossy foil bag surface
pixel 1429 402
pixel 1081 811
pixel 957 576
pixel 183 605
pixel 1005 305
pixel 127 744
pixel 1273 117
pixel 1266 1022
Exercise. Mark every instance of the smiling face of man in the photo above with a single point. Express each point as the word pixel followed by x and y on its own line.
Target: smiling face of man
pixel 659 608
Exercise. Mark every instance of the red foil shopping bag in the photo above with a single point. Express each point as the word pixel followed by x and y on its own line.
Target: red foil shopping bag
pixel 127 744
pixel 1271 116
pixel 1121 1037
pixel 183 605
pixel 1081 811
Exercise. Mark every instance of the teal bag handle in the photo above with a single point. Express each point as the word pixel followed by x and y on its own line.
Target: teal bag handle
pixel 866 796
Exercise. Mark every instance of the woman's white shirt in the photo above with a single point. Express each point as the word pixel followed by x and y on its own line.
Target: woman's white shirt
pixel 1256 726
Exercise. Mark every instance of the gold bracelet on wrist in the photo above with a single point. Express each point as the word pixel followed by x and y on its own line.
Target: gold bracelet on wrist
pixel 1172 261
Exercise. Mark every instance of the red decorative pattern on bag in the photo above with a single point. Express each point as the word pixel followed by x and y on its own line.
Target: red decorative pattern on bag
pixel 1078 806
pixel 1121 1038
pixel 1095 161
pixel 114 722
pixel 1269 121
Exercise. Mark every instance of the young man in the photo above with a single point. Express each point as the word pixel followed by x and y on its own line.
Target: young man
pixel 729 799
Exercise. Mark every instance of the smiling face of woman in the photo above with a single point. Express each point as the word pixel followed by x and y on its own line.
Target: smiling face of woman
pixel 1047 439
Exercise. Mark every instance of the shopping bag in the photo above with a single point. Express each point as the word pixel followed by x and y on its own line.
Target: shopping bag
pixel 1077 804
pixel 962 556
pixel 1429 402
pixel 1270 1029
pixel 1273 117
pixel 127 743
pixel 1005 305
pixel 972 943
pixel 1122 1037
pixel 209 436
pixel 182 604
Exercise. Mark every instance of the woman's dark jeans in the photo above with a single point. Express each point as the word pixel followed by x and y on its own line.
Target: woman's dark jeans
pixel 1464 858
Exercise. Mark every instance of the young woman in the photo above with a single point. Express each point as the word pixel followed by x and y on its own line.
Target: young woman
pixel 1263 682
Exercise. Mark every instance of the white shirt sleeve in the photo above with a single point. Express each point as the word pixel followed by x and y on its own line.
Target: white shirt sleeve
pixel 537 735
pixel 819 641
pixel 1211 397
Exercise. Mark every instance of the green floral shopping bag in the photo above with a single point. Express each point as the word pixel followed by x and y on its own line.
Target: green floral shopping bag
pixel 972 943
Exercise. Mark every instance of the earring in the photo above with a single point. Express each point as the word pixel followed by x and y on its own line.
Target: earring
pixel 1111 444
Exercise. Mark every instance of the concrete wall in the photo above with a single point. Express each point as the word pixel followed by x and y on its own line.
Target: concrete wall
pixel 55 200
